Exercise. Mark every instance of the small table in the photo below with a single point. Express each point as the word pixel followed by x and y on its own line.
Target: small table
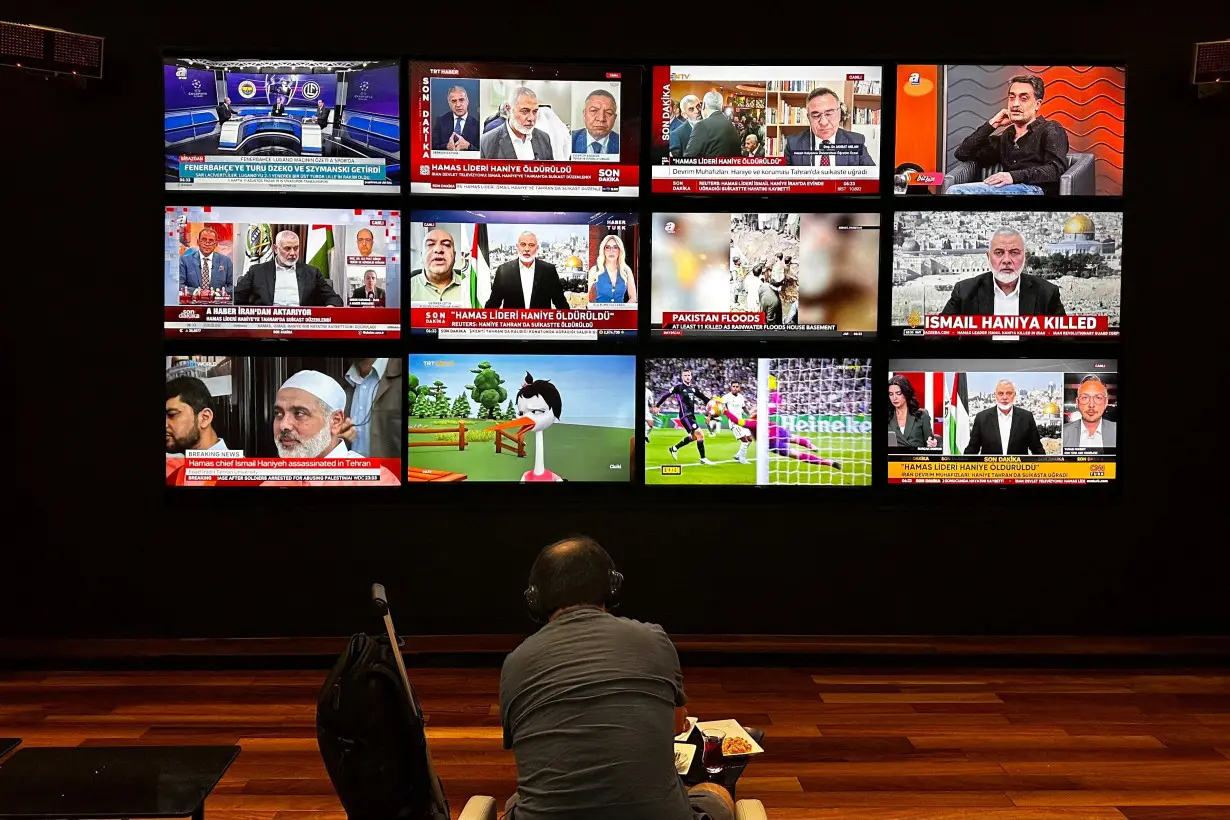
pixel 731 769
pixel 103 783
pixel 8 744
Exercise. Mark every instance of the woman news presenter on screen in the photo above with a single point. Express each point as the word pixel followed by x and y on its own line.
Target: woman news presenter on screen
pixel 908 421
pixel 611 280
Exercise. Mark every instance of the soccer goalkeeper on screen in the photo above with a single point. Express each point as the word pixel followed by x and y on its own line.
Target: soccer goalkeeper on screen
pixel 686 394
pixel 780 439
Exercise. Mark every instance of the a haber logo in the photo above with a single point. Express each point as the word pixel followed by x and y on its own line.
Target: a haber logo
pixel 670 227
pixel 915 79
pixel 609 174
pixel 181 73
pixel 188 314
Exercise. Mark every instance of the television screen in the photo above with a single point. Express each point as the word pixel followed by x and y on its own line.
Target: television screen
pixel 282 125
pixel 1002 421
pixel 521 418
pixel 766 129
pixel 1007 274
pixel 530 130
pixel 758 421
pixel 276 421
pixel 1031 130
pixel 764 274
pixel 317 273
pixel 523 275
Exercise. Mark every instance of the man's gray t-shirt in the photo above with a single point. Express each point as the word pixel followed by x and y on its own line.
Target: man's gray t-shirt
pixel 588 701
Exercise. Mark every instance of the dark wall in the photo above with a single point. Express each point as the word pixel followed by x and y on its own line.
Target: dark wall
pixel 84 373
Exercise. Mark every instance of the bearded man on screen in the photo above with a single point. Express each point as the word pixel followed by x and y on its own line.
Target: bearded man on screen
pixel 518 139
pixel 1004 290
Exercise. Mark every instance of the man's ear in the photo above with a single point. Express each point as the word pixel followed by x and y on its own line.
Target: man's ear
pixel 336 419
pixel 205 418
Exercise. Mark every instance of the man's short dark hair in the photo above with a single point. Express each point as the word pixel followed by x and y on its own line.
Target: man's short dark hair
pixel 821 92
pixel 1033 81
pixel 602 92
pixel 575 571
pixel 191 391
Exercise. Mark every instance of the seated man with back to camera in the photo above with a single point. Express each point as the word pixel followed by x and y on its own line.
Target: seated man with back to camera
pixel 1032 149
pixel 591 702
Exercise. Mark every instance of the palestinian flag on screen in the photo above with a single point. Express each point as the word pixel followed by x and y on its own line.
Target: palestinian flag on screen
pixel 956 417
pixel 320 248
pixel 480 271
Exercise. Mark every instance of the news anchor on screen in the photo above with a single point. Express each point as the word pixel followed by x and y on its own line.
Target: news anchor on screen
pixel 714 135
pixel 818 145
pixel 598 136
pixel 284 280
pixel 437 280
pixel 1032 150
pixel 225 112
pixel 203 266
pixel 611 280
pixel 1004 429
pixel 527 282
pixel 322 114
pixel 1004 290
pixel 368 289
pixel 908 421
pixel 1092 431
pixel 518 139
pixel 455 129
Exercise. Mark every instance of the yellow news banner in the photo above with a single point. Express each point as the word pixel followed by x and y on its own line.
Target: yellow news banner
pixel 1093 470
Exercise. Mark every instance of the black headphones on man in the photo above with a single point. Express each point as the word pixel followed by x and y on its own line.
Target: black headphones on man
pixel 538 611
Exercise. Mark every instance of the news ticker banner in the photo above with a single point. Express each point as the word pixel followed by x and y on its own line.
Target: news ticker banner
pixel 205 321
pixel 231 467
pixel 720 324
pixel 560 178
pixel 217 171
pixel 466 323
pixel 999 470
pixel 761 175
pixel 952 325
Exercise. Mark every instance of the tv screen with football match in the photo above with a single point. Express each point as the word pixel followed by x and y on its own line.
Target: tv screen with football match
pixel 276 273
pixel 1007 275
pixel 1009 130
pixel 524 274
pixel 326 126
pixel 781 422
pixel 766 129
pixel 525 129
pixel 1002 421
pixel 521 418
pixel 277 421
pixel 765 275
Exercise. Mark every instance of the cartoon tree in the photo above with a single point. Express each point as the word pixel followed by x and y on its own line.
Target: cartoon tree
pixel 423 406
pixel 487 391
pixel 461 408
pixel 414 391
pixel 510 412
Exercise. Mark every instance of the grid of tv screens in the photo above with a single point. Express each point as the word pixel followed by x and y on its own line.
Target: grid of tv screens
pixel 743 338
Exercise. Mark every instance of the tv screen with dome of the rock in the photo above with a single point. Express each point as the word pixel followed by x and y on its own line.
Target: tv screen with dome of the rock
pixel 1007 275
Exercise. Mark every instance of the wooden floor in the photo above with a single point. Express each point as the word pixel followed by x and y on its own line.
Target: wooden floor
pixel 907 745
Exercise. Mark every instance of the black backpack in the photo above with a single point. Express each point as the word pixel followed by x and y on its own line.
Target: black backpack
pixel 369 728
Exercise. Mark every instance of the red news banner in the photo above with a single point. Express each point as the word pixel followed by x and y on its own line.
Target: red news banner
pixel 198 471
pixel 530 320
pixel 948 325
pixel 233 321
pixel 447 173
pixel 728 321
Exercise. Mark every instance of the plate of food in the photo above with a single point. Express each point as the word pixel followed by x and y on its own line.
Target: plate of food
pixel 688 731
pixel 738 742
pixel 684 752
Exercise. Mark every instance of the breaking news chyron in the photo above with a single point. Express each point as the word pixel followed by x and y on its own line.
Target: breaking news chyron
pixel 524 274
pixel 804 422
pixel 313 273
pixel 1007 275
pixel 275 421
pixel 1024 130
pixel 324 126
pixel 521 418
pixel 766 129
pixel 527 129
pixel 761 275
pixel 1002 421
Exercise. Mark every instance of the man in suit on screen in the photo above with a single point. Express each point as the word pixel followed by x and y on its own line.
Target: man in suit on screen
pixel 518 138
pixel 368 289
pixel 285 280
pixel 689 109
pixel 527 282
pixel 599 135
pixel 1004 290
pixel 715 135
pixel 203 266
pixel 455 129
pixel 225 112
pixel 1092 431
pixel 824 143
pixel 1005 429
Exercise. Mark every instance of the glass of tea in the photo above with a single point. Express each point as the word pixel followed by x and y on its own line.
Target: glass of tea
pixel 713 750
